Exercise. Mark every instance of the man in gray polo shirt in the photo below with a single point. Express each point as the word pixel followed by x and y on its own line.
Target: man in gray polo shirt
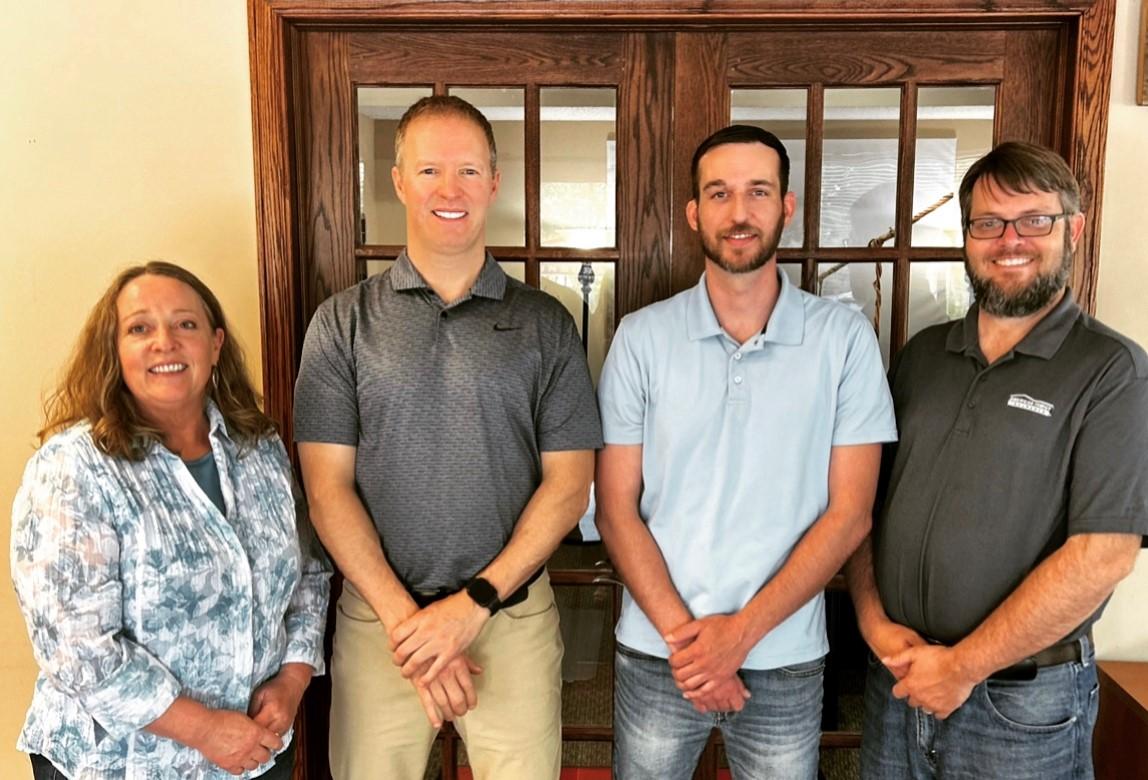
pixel 446 426
pixel 1014 502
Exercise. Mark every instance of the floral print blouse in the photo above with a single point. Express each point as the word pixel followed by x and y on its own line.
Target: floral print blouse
pixel 136 589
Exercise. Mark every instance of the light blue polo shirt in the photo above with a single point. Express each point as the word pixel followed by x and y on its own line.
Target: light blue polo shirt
pixel 736 442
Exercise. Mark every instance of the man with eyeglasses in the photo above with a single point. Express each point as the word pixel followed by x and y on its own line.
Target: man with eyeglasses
pixel 1014 502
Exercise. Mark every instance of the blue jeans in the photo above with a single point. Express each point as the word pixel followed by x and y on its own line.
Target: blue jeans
pixel 1038 729
pixel 658 735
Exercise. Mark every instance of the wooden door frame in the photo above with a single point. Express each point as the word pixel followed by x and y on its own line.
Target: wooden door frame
pixel 273 26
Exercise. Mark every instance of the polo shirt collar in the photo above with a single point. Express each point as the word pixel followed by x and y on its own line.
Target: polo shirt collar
pixel 1042 341
pixel 786 323
pixel 491 281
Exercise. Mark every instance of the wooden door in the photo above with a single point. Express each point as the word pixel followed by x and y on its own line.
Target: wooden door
pixel 891 84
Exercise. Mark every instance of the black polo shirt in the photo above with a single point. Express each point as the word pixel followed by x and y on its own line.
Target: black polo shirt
pixel 998 465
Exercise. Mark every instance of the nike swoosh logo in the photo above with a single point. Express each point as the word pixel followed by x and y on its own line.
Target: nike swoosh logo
pixel 500 327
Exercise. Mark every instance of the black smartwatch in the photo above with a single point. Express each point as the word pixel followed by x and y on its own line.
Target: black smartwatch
pixel 483 594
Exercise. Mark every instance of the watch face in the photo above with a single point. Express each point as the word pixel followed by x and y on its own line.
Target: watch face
pixel 482 592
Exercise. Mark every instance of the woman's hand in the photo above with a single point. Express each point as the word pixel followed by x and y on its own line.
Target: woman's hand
pixel 229 739
pixel 237 743
pixel 276 701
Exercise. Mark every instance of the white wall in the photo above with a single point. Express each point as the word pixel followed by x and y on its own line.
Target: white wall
pixel 1122 298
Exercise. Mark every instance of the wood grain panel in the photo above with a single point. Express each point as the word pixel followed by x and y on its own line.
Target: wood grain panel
pixel 875 56
pixel 1090 91
pixel 645 194
pixel 650 12
pixel 484 57
pixel 1032 79
pixel 280 306
pixel 327 148
pixel 699 71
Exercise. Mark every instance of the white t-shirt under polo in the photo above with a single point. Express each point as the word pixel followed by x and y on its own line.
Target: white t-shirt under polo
pixel 736 444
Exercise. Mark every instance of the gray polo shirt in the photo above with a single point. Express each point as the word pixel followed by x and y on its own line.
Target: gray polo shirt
pixel 998 465
pixel 450 408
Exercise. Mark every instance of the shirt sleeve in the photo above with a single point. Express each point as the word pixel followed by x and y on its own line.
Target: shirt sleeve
pixel 567 417
pixel 306 615
pixel 66 567
pixel 1108 484
pixel 623 390
pixel 864 413
pixel 326 394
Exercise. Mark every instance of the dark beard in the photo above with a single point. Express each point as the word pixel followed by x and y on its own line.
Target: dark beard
pixel 994 300
pixel 769 249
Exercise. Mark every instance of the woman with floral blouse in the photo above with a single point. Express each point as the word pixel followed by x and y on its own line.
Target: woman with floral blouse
pixel 175 615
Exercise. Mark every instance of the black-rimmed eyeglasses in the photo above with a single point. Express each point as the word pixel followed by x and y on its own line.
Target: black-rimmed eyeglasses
pixel 1028 226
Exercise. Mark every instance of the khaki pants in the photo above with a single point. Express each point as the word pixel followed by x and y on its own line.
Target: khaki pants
pixel 379 728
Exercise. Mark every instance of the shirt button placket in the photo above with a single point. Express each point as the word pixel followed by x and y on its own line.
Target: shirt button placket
pixel 737 384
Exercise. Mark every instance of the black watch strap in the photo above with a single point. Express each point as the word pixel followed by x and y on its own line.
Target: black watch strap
pixel 484 594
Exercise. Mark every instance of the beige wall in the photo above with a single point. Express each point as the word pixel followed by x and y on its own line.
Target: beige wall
pixel 125 135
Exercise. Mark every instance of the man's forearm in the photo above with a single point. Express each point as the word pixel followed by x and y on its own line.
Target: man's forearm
pixel 862 582
pixel 1056 597
pixel 640 564
pixel 817 557
pixel 346 530
pixel 555 508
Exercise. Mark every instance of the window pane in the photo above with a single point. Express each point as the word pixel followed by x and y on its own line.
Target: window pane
pixel 577 173
pixel 866 287
pixel 381 216
pixel 793 271
pixel 954 128
pixel 783 113
pixel 586 618
pixel 378 266
pixel 938 292
pixel 587 292
pixel 514 269
pixel 503 108
pixel 859 165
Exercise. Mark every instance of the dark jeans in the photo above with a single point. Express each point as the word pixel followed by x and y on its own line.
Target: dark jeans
pixel 42 768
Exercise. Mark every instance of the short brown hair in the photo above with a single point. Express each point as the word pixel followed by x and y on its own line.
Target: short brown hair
pixel 92 388
pixel 448 106
pixel 1022 167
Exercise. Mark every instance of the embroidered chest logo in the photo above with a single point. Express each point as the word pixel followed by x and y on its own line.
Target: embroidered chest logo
pixel 1030 404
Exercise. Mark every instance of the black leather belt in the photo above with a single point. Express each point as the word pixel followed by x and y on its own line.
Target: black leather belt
pixel 424 598
pixel 1063 653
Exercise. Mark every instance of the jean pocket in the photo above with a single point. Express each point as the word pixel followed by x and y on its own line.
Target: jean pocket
pixel 1032 706
pixel 807 669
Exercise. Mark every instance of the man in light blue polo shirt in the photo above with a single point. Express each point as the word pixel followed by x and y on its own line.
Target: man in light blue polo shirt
pixel 743 420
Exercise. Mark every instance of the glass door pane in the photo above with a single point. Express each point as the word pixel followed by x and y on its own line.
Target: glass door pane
pixel 859 165
pixel 954 129
pixel 578 167
pixel 783 113
pixel 381 216
pixel 503 108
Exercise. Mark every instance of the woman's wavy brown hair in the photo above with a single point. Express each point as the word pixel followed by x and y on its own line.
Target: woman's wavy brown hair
pixel 92 385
